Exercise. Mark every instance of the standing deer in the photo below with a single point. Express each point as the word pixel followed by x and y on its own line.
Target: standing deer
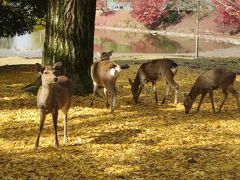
pixel 151 72
pixel 104 74
pixel 209 81
pixel 54 94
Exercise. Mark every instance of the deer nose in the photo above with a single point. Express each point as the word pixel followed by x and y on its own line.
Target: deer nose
pixel 55 79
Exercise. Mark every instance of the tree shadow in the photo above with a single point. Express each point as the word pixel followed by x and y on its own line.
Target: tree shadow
pixel 117 137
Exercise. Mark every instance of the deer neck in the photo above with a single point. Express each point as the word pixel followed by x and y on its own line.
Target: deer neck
pixel 195 91
pixel 137 82
pixel 46 96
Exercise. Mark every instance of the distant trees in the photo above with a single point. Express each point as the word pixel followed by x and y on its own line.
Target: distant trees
pixel 149 12
pixel 100 4
pixel 153 13
pixel 229 11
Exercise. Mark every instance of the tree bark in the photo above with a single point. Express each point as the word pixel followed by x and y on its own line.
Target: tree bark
pixel 69 38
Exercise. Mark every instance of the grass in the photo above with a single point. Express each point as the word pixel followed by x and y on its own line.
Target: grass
pixel 145 140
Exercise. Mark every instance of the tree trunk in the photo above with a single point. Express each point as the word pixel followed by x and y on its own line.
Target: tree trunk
pixel 69 38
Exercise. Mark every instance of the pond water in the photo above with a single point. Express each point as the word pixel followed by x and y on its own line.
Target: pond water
pixel 121 42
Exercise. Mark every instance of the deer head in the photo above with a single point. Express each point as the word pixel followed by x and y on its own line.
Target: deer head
pixel 48 73
pixel 187 103
pixel 134 89
pixel 105 55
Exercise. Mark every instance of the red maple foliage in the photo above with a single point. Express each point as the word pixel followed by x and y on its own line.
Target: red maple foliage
pixel 100 4
pixel 153 13
pixel 149 12
pixel 229 11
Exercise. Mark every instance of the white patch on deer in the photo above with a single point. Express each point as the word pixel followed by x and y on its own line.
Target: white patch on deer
pixel 174 70
pixel 114 71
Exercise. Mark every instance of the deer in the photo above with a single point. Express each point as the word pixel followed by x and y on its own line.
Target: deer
pixel 153 71
pixel 54 94
pixel 206 83
pixel 104 73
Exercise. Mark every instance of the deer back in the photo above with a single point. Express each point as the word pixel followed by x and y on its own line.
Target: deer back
pixel 216 78
pixel 153 70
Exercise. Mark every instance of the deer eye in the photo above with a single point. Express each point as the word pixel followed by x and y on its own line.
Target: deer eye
pixel 45 72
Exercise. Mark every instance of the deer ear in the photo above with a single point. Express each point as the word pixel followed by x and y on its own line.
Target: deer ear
pixel 130 81
pixel 39 68
pixel 57 65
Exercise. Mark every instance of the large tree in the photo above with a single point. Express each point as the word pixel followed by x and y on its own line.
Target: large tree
pixel 69 33
pixel 69 39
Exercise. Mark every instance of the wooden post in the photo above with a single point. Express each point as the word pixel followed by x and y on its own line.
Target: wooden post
pixel 197 29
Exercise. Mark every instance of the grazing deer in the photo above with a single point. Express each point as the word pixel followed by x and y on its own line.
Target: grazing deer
pixel 151 72
pixel 209 81
pixel 54 94
pixel 104 74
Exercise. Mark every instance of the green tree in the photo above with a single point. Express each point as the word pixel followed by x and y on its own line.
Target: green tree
pixel 20 16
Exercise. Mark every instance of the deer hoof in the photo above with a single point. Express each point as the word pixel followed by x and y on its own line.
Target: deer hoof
pixel 35 147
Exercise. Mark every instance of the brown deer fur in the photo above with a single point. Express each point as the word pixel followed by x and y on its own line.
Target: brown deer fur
pixel 104 74
pixel 209 81
pixel 151 72
pixel 54 94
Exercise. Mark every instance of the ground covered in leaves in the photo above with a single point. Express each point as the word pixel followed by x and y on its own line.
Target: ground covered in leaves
pixel 145 140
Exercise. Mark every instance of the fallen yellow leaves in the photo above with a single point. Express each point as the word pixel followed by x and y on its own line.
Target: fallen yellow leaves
pixel 145 140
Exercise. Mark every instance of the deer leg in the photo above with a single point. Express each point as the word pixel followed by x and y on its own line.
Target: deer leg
pixel 55 118
pixel 225 94
pixel 95 90
pixel 155 91
pixel 211 98
pixel 114 99
pixel 140 90
pixel 200 102
pixel 42 119
pixel 106 95
pixel 235 94
pixel 175 86
pixel 65 126
pixel 168 88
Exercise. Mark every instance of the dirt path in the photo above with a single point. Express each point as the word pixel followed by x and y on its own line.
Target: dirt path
pixel 231 52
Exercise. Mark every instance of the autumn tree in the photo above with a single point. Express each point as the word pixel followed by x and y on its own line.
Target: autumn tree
pixel 155 12
pixel 229 11
pixel 100 4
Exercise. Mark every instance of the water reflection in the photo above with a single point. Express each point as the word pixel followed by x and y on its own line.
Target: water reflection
pixel 149 43
pixel 27 42
pixel 122 42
